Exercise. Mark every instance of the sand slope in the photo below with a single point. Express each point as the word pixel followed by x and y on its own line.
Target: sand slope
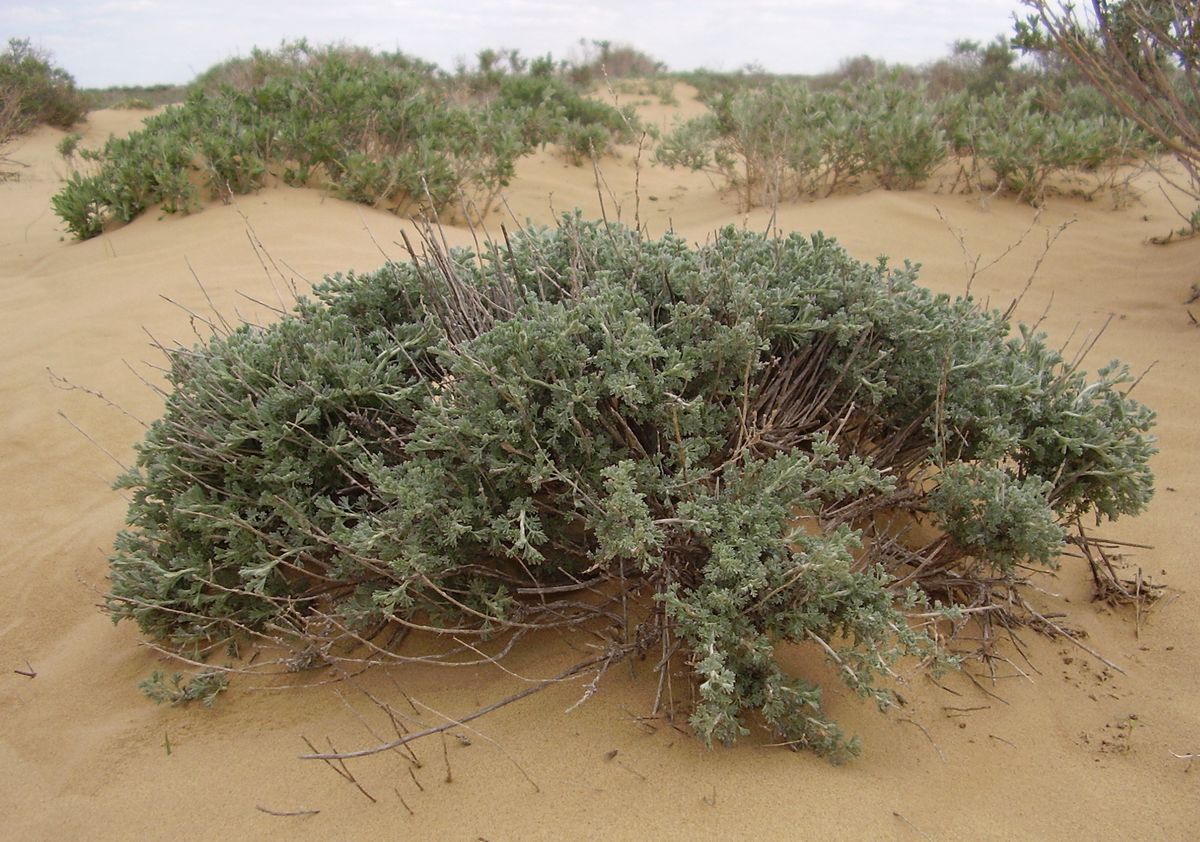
pixel 84 754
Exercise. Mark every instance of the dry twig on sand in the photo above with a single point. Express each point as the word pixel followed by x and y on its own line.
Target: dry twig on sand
pixel 270 812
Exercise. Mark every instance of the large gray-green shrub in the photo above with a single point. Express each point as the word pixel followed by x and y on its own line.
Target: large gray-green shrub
pixel 704 454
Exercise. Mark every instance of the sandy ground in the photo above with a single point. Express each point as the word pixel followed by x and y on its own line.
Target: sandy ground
pixel 1051 754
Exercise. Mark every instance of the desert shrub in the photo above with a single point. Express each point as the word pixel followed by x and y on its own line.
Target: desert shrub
pixel 581 142
pixel 146 168
pixel 786 141
pixel 693 144
pixel 980 70
pixel 856 70
pixel 68 145
pixel 621 61
pixel 1019 128
pixel 764 143
pixel 375 128
pixel 1141 56
pixel 203 687
pixel 134 103
pixel 493 67
pixel 712 85
pixel 551 111
pixel 902 139
pixel 1024 145
pixel 80 206
pixel 44 93
pixel 374 134
pixel 12 123
pixel 706 454
pixel 600 60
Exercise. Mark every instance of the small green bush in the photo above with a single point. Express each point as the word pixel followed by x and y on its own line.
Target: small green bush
pixel 146 168
pixel 203 687
pixel 901 137
pixel 785 141
pixel 78 203
pixel 711 85
pixel 552 111
pixel 709 453
pixel 1023 144
pixel 68 145
pixel 980 70
pixel 295 59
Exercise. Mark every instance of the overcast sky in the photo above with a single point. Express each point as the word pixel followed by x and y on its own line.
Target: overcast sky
pixel 135 42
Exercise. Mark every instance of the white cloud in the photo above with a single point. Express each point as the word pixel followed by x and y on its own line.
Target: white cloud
pixel 20 18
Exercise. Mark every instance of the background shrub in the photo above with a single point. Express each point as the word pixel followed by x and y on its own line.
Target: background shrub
pixel 552 111
pixel 786 141
pixel 135 96
pixel 1140 56
pixel 379 129
pixel 43 92
pixel 1023 144
pixel 789 140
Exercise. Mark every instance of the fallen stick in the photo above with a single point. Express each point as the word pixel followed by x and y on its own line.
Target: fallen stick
pixel 454 723
pixel 269 812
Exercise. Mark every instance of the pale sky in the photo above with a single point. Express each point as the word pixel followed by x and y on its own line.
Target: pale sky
pixel 135 42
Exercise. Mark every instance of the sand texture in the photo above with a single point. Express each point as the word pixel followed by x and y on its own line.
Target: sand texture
pixel 1048 751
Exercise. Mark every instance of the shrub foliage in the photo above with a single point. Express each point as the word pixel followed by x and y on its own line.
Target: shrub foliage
pixel 37 90
pixel 788 140
pixel 1141 56
pixel 701 453
pixel 378 129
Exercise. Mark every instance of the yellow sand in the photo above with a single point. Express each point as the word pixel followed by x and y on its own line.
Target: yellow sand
pixel 84 755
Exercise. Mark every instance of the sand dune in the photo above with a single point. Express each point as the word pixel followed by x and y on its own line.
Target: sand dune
pixel 1052 754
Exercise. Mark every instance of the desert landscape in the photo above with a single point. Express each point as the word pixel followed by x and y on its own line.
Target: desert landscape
pixel 1059 745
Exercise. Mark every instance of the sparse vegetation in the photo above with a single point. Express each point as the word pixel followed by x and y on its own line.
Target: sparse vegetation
pixel 134 104
pixel 143 97
pixel 661 89
pixel 1010 128
pixel 699 454
pixel 600 60
pixel 552 111
pixel 68 145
